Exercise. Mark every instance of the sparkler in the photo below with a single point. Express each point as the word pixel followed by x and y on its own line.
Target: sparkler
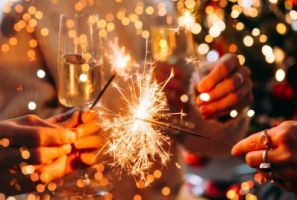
pixel 135 144
pixel 137 140
pixel 119 61
pixel 187 20
pixel 185 131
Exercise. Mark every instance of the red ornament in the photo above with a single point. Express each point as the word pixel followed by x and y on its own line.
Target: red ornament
pixel 194 160
pixel 214 191
pixel 283 91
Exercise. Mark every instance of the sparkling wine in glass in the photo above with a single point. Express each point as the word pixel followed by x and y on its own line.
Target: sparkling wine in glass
pixel 79 60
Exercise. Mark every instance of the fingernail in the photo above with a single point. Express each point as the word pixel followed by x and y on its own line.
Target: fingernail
pixel 234 152
pixel 77 145
pixel 79 132
pixel 71 136
pixel 67 148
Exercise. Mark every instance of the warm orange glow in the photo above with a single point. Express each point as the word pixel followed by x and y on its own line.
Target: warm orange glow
pixel 150 178
pixel 137 197
pixel 33 43
pixel 157 174
pixel 19 8
pixel 32 10
pixel 5 48
pixel 44 31
pixel 34 177
pixel 5 142
pixel 40 188
pixel 52 187
pixel 233 48
pixel 69 23
pixel 31 54
pixel 140 184
pixel 166 191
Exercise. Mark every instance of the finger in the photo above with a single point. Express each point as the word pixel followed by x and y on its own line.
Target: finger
pixel 255 158
pixel 39 136
pixel 252 143
pixel 88 116
pixel 89 142
pixel 63 116
pixel 72 121
pixel 226 86
pixel 225 103
pixel 225 66
pixel 87 129
pixel 73 163
pixel 239 108
pixel 35 156
pixel 34 120
pixel 46 154
pixel 54 170
pixel 88 158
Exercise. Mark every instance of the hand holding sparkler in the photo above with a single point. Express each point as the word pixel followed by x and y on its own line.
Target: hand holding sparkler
pixel 137 139
pixel 228 87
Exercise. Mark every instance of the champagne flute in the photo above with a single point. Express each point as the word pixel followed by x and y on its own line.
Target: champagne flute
pixel 80 60
pixel 167 45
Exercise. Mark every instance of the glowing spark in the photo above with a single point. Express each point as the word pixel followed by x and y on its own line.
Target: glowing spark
pixel 187 20
pixel 135 144
pixel 191 59
pixel 119 61
pixel 118 58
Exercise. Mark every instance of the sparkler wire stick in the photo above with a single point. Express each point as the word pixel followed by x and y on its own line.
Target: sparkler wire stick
pixel 186 131
pixel 192 42
pixel 103 90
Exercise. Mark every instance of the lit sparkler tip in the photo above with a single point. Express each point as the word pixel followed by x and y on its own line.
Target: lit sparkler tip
pixel 118 58
pixel 171 73
pixel 187 20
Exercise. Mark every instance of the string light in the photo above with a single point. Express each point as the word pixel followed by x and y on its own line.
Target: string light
pixel 32 105
pixel 204 97
pixel 234 113
pixel 41 73
pixel 250 113
pixel 280 75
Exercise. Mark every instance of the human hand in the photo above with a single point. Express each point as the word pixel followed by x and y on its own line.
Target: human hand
pixel 229 87
pixel 29 145
pixel 44 141
pixel 282 154
pixel 86 125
